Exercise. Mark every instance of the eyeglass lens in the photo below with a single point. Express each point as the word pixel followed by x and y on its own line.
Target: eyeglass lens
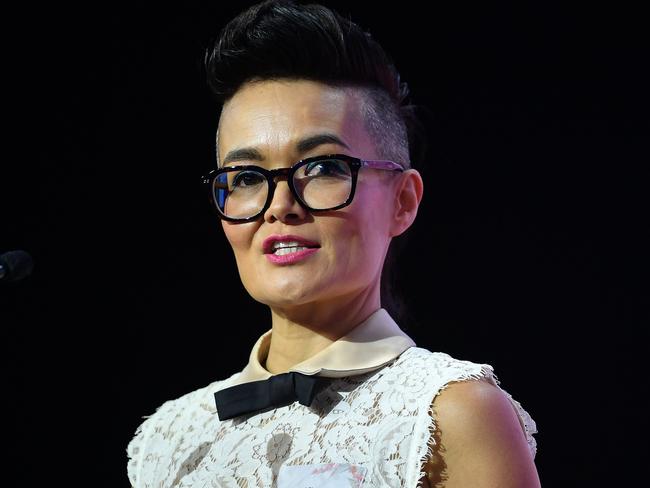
pixel 321 185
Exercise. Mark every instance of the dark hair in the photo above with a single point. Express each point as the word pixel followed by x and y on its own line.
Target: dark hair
pixel 281 39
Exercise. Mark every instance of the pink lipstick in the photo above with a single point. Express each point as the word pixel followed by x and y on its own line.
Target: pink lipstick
pixel 288 249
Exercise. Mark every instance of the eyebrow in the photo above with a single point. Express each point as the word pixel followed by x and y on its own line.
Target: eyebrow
pixel 302 146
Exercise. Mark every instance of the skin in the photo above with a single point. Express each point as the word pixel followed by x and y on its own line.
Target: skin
pixel 479 442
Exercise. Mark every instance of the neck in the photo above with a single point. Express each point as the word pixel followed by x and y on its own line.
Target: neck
pixel 301 332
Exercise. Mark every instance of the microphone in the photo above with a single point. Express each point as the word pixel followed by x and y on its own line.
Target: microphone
pixel 15 265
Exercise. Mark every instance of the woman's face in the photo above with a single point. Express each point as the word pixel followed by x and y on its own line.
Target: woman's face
pixel 270 119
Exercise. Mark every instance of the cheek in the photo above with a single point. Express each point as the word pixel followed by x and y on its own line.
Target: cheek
pixel 361 239
pixel 373 210
pixel 240 236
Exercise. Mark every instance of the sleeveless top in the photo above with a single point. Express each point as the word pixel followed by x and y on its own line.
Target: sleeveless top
pixel 368 430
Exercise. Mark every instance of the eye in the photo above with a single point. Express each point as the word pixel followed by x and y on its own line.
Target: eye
pixel 327 167
pixel 244 179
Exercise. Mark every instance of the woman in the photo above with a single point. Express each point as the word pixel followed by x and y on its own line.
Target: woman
pixel 313 183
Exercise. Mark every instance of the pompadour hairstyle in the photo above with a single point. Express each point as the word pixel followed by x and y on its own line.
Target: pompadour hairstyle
pixel 284 39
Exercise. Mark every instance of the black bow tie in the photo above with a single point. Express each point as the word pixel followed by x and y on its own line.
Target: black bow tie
pixel 276 391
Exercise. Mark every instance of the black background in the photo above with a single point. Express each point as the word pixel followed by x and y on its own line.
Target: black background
pixel 530 251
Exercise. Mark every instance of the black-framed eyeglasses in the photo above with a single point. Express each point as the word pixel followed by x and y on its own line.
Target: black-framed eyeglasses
pixel 328 182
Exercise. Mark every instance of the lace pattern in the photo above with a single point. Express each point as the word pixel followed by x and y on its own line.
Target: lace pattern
pixel 380 420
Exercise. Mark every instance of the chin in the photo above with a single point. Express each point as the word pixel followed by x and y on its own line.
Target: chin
pixel 286 286
pixel 284 298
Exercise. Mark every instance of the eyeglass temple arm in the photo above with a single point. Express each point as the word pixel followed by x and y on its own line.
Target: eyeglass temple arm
pixel 383 164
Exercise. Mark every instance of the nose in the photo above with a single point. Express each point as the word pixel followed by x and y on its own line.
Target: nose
pixel 284 206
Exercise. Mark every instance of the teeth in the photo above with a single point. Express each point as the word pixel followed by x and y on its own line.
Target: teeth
pixel 287 250
pixel 281 244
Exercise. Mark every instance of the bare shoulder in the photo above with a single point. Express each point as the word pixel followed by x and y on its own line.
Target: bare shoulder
pixel 474 402
pixel 480 441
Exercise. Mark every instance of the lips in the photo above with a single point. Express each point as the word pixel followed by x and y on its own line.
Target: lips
pixel 275 241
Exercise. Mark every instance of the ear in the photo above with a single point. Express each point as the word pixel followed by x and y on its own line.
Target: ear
pixel 408 195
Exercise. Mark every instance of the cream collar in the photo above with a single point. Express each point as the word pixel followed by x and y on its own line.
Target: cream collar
pixel 373 343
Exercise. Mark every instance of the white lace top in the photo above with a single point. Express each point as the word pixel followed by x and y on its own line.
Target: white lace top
pixel 371 429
